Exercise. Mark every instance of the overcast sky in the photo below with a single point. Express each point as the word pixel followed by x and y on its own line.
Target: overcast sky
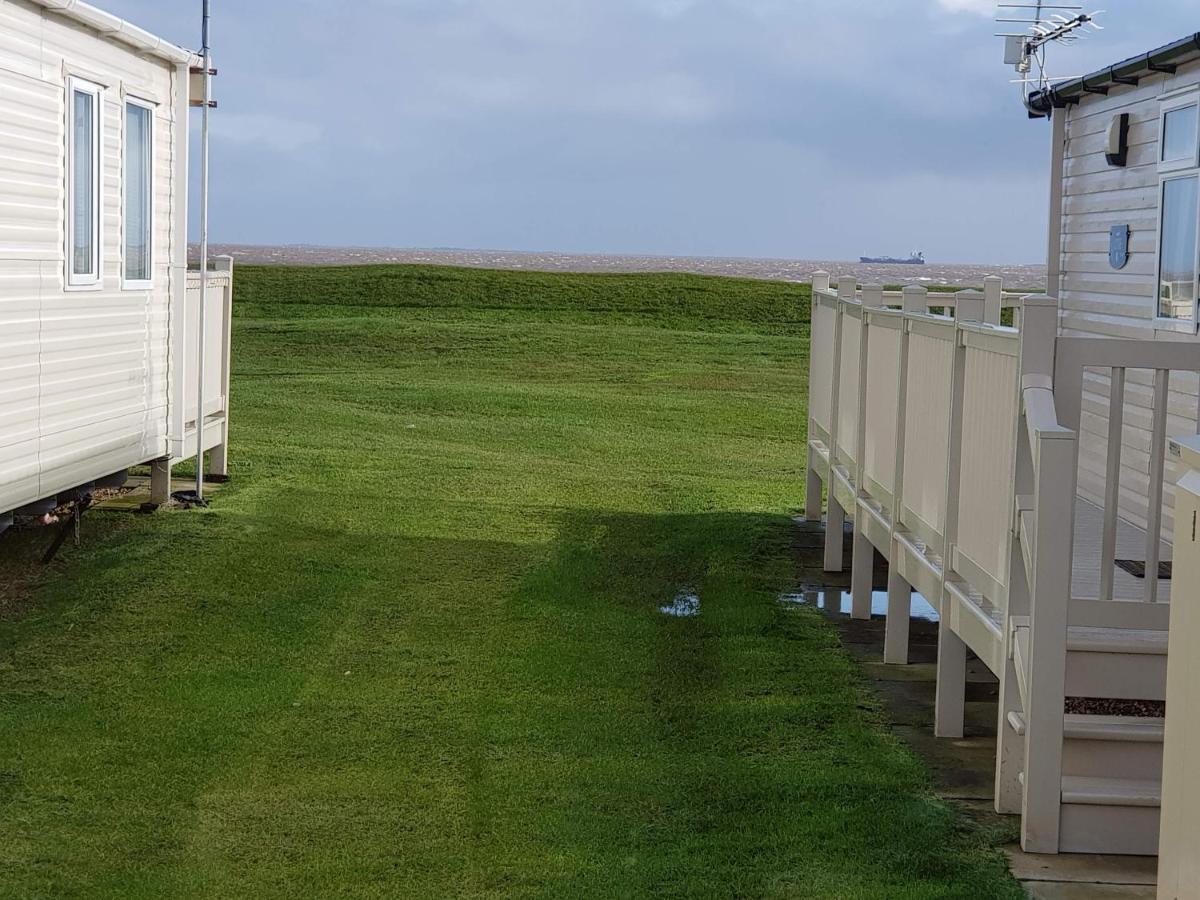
pixel 781 128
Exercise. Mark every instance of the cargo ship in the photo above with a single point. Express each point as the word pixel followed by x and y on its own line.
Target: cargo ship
pixel 917 259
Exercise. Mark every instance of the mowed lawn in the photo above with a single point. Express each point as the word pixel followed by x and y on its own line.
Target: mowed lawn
pixel 416 648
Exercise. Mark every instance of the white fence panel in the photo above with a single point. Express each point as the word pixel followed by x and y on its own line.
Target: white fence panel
pixel 824 321
pixel 990 412
pixel 883 365
pixel 847 436
pixel 927 427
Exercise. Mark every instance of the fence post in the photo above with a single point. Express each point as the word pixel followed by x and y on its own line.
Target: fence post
pixel 862 568
pixel 218 458
pixel 950 702
pixel 993 304
pixel 914 300
pixel 835 521
pixel 813 487
pixel 1053 455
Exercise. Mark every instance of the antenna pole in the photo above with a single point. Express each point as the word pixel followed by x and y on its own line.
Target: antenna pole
pixel 206 80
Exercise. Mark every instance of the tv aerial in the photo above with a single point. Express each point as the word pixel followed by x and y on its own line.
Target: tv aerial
pixel 1043 24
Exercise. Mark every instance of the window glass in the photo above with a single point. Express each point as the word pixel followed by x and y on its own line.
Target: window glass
pixel 1179 134
pixel 83 184
pixel 1177 268
pixel 138 148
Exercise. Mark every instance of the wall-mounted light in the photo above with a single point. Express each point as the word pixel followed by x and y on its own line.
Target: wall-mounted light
pixel 1117 150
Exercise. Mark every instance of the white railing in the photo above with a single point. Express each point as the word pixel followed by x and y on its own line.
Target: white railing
pixel 898 389
pixel 1053 377
pixel 954 443
pixel 218 335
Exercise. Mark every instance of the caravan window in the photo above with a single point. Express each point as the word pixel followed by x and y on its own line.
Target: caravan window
pixel 83 183
pixel 1179 253
pixel 139 192
pixel 1180 134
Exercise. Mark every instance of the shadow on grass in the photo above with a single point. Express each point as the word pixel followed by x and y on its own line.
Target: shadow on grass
pixel 734 750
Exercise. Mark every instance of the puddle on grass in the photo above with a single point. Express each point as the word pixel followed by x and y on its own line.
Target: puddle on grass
pixel 685 605
pixel 840 601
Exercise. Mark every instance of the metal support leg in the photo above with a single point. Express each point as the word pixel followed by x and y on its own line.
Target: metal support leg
pixel 950 705
pixel 862 571
pixel 899 614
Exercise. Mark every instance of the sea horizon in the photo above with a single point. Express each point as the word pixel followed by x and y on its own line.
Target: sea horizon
pixel 1016 276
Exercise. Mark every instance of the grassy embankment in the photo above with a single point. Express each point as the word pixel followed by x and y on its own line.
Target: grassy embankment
pixel 416 648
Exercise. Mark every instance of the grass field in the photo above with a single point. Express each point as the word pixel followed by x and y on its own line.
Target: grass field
pixel 416 649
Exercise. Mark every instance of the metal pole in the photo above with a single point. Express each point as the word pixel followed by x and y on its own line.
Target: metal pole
pixel 205 53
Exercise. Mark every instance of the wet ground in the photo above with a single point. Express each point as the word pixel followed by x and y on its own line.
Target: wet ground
pixel 962 771
pixel 1016 277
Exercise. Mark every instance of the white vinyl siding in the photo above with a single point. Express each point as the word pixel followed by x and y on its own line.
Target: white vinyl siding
pixel 139 194
pixel 84 171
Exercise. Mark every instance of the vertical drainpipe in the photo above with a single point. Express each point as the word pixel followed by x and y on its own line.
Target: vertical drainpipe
pixel 206 77
pixel 1058 150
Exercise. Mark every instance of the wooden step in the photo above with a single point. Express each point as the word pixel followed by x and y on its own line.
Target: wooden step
pixel 1110 815
pixel 1107 746
pixel 1101 728
pixel 1112 791
pixel 1116 663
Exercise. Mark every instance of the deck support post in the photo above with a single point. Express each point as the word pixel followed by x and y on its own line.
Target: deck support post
pixel 160 480
pixel 218 460
pixel 813 490
pixel 835 536
pixel 895 634
pixel 899 615
pixel 951 701
pixel 862 574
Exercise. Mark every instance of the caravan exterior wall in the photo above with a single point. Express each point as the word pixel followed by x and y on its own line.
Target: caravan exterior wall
pixel 1098 299
pixel 93 169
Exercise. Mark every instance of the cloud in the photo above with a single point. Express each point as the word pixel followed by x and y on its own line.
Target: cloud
pixel 275 133
pixel 979 7
pixel 753 127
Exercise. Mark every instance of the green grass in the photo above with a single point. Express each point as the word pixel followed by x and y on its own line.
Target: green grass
pixel 416 649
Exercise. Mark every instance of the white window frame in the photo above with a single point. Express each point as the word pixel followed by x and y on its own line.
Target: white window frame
pixel 94 280
pixel 1175 170
pixel 130 284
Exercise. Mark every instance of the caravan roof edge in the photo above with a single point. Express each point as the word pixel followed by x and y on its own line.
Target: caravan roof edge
pixel 1183 50
pixel 118 29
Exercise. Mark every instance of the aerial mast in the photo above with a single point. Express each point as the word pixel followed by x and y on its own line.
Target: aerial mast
pixel 206 104
pixel 1044 24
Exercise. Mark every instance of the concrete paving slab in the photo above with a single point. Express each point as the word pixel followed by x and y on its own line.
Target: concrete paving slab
pixel 1082 868
pixel 1065 891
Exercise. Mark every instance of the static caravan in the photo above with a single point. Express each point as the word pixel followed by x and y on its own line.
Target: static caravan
pixel 98 311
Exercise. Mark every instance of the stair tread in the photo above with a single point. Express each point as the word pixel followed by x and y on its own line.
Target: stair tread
pixel 1116 640
pixel 1093 791
pixel 1081 727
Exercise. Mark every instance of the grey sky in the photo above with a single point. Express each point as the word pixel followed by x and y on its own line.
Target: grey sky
pixel 785 128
